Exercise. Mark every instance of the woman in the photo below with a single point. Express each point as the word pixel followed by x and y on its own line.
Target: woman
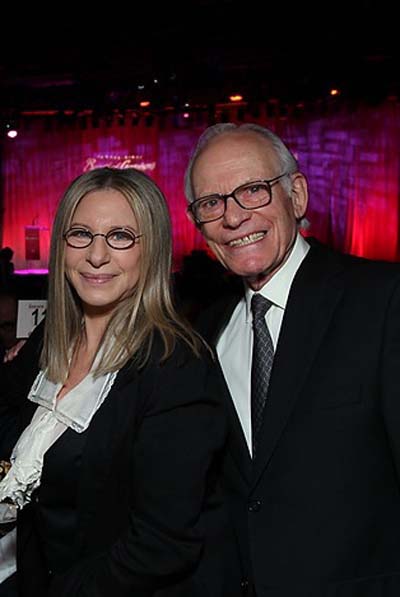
pixel 114 474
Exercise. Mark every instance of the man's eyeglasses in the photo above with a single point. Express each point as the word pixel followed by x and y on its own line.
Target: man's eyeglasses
pixel 251 195
pixel 118 238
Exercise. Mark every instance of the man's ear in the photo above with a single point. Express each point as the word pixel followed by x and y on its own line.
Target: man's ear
pixel 299 194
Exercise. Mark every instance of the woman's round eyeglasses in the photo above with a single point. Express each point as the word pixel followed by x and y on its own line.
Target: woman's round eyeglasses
pixel 117 238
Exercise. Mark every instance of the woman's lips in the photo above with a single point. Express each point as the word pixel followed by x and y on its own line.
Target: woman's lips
pixel 97 278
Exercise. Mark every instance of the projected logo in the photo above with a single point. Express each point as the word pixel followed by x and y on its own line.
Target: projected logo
pixel 118 161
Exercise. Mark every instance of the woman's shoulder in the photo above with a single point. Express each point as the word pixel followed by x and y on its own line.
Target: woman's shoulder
pixel 183 376
pixel 185 351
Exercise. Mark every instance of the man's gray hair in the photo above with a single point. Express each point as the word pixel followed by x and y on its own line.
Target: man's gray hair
pixel 286 159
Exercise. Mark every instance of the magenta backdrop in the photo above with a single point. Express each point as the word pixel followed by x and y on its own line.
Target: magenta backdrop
pixel 351 159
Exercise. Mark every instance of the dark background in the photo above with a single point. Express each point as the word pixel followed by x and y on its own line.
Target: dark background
pixel 92 57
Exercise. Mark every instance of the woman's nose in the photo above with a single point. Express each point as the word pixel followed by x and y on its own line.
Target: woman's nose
pixel 98 251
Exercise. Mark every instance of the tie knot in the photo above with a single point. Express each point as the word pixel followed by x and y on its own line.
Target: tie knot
pixel 259 306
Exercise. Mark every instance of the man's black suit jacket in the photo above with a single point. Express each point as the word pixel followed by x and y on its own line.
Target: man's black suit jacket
pixel 150 517
pixel 317 514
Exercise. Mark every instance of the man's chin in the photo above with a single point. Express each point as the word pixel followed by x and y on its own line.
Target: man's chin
pixel 246 270
pixel 256 282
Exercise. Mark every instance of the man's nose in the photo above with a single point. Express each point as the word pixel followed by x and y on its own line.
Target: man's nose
pixel 234 214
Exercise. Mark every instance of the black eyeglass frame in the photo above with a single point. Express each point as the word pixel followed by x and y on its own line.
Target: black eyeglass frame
pixel 269 182
pixel 105 236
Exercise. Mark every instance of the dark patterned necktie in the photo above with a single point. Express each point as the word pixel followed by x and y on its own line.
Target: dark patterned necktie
pixel 263 356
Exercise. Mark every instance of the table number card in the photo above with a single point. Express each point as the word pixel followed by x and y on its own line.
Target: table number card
pixel 30 314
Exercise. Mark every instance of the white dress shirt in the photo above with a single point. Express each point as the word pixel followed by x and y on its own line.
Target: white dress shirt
pixel 235 344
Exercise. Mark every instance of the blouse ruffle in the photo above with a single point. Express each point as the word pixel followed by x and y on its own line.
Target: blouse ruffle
pixel 52 417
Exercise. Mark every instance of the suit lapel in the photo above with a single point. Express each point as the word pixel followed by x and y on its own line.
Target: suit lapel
pixel 311 303
pixel 237 445
pixel 216 319
pixel 211 327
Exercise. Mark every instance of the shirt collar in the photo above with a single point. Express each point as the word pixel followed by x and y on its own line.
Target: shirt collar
pixel 78 407
pixel 277 288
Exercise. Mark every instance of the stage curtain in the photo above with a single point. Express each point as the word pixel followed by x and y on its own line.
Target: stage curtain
pixel 349 154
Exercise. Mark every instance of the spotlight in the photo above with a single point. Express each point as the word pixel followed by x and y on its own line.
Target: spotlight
pixel 236 97
pixel 11 130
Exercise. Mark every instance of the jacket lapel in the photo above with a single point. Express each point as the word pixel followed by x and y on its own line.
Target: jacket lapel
pixel 215 319
pixel 237 444
pixel 105 433
pixel 211 327
pixel 311 303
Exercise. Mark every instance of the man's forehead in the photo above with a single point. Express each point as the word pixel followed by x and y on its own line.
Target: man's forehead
pixel 235 146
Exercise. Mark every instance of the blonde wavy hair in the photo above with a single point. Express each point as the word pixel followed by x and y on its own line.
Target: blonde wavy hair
pixel 130 331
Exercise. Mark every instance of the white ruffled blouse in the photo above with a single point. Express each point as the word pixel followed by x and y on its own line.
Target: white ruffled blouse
pixel 52 417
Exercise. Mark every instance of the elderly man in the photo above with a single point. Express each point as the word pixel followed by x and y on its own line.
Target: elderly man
pixel 310 354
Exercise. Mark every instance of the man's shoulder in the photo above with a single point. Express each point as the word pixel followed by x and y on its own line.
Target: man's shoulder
pixel 215 317
pixel 354 267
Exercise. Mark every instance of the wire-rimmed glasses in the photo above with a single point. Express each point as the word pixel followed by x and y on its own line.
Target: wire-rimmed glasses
pixel 118 238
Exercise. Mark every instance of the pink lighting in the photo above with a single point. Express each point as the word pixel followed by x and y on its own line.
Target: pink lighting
pixel 28 272
pixel 355 183
pixel 12 133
